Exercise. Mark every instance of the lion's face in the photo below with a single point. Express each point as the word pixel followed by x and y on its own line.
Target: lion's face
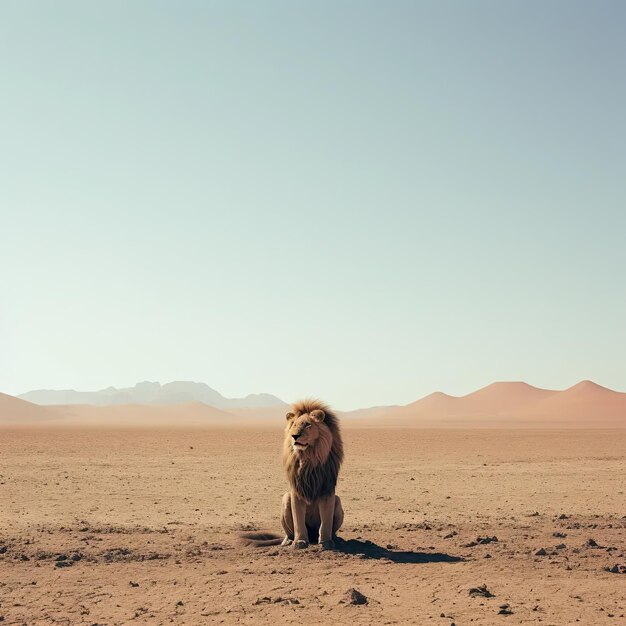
pixel 303 431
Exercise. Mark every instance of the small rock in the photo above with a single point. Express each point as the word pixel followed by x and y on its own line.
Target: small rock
pixel 559 535
pixel 484 540
pixel 541 552
pixel 505 609
pixel 481 591
pixel 133 584
pixel 592 543
pixel 560 546
pixel 480 541
pixel 353 596
pixel 281 600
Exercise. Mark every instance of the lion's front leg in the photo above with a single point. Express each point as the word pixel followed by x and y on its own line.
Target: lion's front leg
pixel 327 512
pixel 298 513
pixel 286 520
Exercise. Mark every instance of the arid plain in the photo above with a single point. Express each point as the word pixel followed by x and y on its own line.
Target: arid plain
pixel 112 525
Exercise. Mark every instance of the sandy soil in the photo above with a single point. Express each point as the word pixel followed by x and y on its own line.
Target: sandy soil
pixel 123 527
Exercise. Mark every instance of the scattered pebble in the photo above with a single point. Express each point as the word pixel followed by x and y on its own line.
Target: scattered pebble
pixel 277 600
pixel 541 552
pixel 481 541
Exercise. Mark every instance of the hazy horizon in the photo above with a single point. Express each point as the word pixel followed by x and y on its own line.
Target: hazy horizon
pixel 360 202
pixel 289 400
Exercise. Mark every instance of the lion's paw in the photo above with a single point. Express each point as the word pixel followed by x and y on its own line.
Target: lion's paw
pixel 286 542
pixel 300 544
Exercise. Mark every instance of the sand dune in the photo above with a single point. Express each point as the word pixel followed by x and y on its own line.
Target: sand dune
pixel 492 400
pixel 16 411
pixel 586 402
pixel 506 404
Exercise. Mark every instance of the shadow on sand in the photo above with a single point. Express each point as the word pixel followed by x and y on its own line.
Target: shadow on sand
pixel 369 550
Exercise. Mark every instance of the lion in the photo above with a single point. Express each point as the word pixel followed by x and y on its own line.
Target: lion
pixel 312 457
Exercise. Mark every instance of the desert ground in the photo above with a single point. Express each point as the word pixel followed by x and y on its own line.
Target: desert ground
pixel 482 526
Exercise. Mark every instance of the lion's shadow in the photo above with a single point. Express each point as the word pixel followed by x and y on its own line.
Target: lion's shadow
pixel 369 550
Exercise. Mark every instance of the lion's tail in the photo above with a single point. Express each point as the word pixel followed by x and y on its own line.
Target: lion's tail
pixel 260 539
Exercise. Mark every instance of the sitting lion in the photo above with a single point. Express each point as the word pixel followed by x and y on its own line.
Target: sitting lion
pixel 312 456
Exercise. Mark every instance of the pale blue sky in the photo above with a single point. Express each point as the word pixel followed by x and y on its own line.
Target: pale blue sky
pixel 363 201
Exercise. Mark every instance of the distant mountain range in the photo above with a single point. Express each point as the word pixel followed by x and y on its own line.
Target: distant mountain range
pixel 501 404
pixel 177 392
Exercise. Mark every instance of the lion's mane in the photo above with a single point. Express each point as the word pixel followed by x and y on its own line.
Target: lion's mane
pixel 313 473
